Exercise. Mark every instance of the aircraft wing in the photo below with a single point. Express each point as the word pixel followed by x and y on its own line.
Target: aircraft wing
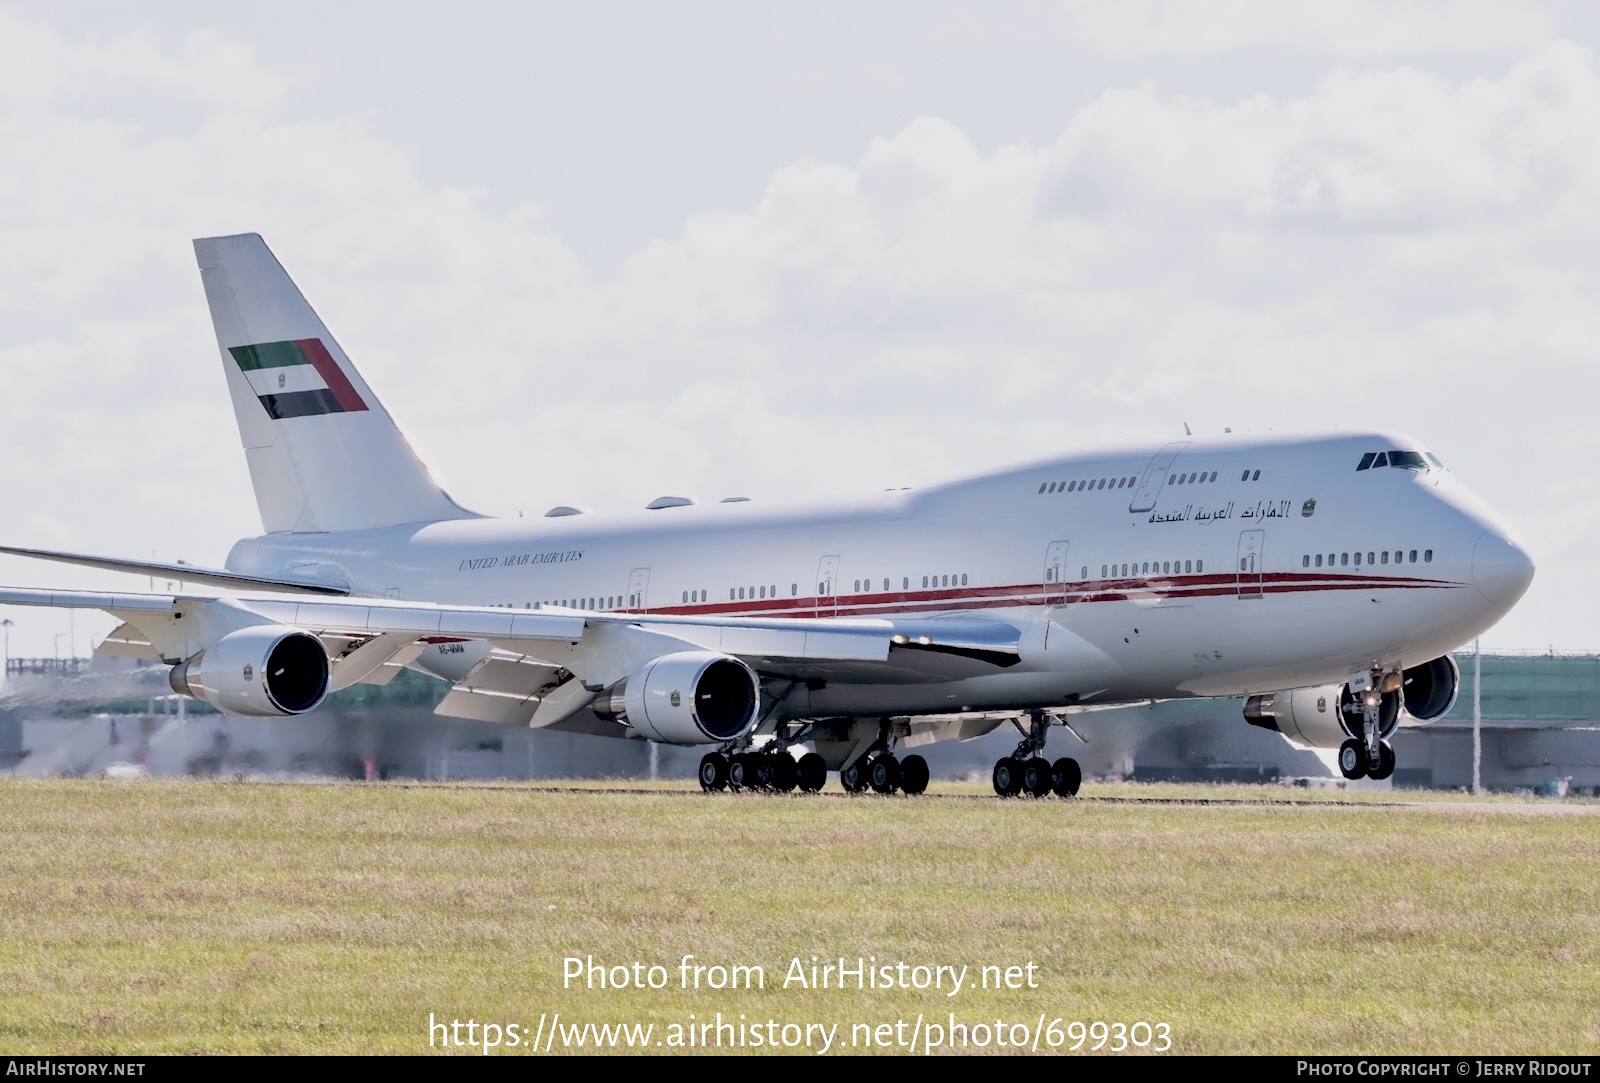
pixel 547 664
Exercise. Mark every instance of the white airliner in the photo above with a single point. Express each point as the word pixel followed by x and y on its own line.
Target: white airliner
pixel 1327 577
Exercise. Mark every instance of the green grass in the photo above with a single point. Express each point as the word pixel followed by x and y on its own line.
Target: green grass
pixel 240 917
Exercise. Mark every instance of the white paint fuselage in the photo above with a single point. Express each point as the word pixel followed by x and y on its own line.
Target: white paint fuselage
pixel 1252 609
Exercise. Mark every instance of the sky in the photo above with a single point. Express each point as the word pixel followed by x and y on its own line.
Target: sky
pixel 594 253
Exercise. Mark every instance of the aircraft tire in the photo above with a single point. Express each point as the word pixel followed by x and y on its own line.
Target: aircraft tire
pixel 913 775
pixel 740 774
pixel 785 773
pixel 812 772
pixel 1065 777
pixel 884 774
pixel 1036 777
pixel 1386 761
pixel 713 772
pixel 1353 760
pixel 853 777
pixel 1007 777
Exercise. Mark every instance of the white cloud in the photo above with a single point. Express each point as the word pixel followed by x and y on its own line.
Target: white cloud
pixel 1392 248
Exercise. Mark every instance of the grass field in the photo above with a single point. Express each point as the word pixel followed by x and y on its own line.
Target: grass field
pixel 242 917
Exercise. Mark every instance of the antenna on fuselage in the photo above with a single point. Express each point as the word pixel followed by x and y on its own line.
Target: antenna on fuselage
pixel 1186 431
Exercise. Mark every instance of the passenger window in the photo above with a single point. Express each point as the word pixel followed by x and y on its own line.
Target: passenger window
pixel 1427 556
pixel 924 582
pixel 857 587
pixel 741 594
pixel 1199 565
pixel 1172 479
pixel 1245 476
pixel 1102 484
pixel 1344 558
pixel 1166 567
pixel 1188 566
pixel 686 596
pixel 1319 560
pixel 1358 560
pixel 730 591
pixel 1083 573
pixel 1385 559
pixel 774 590
pixel 1305 561
pixel 1256 476
pixel 1102 571
pixel 963 579
pixel 1369 558
pixel 763 592
pixel 1366 460
pixel 905 583
pixel 1413 556
pixel 1072 486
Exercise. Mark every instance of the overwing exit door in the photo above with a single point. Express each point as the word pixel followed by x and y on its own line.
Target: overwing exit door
pixel 827 589
pixel 1252 545
pixel 638 589
pixel 1055 573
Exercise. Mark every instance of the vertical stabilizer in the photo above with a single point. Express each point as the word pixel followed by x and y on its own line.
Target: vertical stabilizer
pixel 323 452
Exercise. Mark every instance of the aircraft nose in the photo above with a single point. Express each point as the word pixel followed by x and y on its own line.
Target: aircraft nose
pixel 1501 569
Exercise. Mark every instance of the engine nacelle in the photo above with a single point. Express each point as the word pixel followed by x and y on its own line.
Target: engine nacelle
pixel 1322 717
pixel 688 698
pixel 1307 716
pixel 267 671
pixel 1430 689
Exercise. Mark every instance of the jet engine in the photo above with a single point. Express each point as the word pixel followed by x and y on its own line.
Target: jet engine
pixel 267 671
pixel 688 698
pixel 1323 717
pixel 1430 689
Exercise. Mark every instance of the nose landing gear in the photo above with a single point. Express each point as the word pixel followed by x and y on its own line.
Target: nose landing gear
pixel 1371 711
pixel 1027 771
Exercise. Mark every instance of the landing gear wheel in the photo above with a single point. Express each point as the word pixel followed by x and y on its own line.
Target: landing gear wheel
pixel 785 774
pixel 1353 759
pixel 758 771
pixel 1036 777
pixel 741 775
pixel 812 772
pixel 713 771
pixel 1065 777
pixel 913 775
pixel 884 774
pixel 1007 777
pixel 853 777
pixel 1385 766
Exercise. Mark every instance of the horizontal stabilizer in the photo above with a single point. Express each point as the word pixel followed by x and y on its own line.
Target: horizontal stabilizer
pixel 188 573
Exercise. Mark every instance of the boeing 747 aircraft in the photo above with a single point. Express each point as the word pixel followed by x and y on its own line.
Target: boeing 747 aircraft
pixel 1324 576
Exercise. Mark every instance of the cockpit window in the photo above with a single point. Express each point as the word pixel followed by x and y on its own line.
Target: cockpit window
pixel 1405 460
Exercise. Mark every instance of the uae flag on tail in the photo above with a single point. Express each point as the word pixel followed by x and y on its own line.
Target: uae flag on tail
pixel 297 378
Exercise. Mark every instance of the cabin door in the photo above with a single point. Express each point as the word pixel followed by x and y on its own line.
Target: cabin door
pixel 1252 544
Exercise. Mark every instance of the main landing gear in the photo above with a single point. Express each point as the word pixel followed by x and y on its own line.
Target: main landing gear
pixel 1026 771
pixel 880 769
pixel 770 768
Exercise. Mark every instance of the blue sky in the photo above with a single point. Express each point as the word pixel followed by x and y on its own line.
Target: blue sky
pixel 593 253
